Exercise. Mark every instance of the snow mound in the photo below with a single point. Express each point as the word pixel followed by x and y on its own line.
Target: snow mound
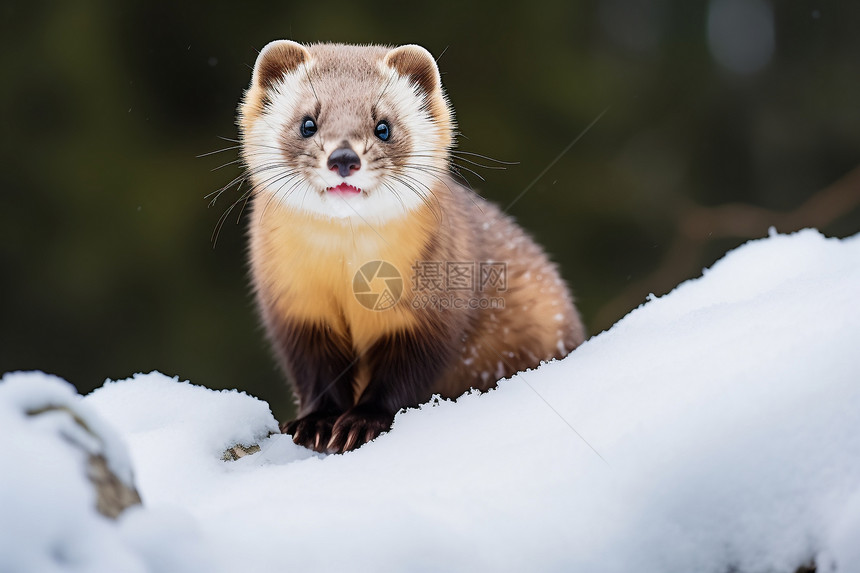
pixel 712 429
pixel 49 521
pixel 177 432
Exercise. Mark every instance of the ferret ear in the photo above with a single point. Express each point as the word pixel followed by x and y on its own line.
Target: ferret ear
pixel 278 59
pixel 417 64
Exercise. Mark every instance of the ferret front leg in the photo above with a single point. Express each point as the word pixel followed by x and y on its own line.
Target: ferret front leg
pixel 403 368
pixel 321 365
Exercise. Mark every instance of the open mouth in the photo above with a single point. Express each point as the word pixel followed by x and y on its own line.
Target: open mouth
pixel 345 189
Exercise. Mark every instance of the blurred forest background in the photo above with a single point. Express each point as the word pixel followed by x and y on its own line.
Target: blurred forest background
pixel 722 118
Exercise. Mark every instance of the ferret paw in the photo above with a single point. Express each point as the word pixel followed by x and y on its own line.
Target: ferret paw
pixel 356 427
pixel 312 431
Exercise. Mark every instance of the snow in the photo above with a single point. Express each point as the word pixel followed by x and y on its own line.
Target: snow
pixel 178 433
pixel 715 428
pixel 25 392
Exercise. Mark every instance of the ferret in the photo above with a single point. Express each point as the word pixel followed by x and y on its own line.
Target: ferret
pixel 380 278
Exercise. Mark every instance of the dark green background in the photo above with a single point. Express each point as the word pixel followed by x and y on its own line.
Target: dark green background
pixel 107 265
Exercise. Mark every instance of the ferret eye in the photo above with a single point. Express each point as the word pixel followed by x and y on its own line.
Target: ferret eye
pixel 383 130
pixel 308 127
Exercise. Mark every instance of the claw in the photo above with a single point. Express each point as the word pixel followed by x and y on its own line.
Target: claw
pixel 371 434
pixel 311 431
pixel 352 438
pixel 355 428
pixel 335 437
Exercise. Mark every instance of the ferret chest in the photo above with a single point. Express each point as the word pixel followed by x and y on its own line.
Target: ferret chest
pixel 306 268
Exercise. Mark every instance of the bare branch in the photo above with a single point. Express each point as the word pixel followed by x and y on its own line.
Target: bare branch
pixel 697 226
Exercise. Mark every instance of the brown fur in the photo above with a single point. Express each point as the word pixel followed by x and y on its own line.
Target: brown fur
pixel 287 57
pixel 353 368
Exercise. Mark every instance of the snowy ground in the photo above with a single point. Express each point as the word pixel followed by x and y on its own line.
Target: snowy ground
pixel 716 428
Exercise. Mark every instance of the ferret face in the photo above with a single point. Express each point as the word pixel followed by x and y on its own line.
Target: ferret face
pixel 356 133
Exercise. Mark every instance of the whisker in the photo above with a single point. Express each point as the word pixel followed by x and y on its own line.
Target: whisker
pixel 396 194
pixel 246 143
pixel 245 197
pixel 391 76
pixel 223 165
pixel 308 74
pixel 255 154
pixel 496 167
pixel 475 163
pixel 484 157
pixel 208 153
pixel 276 193
pixel 407 181
pixel 456 173
pixel 240 178
pixel 472 171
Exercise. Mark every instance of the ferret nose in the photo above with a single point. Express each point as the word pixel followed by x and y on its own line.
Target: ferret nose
pixel 344 160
